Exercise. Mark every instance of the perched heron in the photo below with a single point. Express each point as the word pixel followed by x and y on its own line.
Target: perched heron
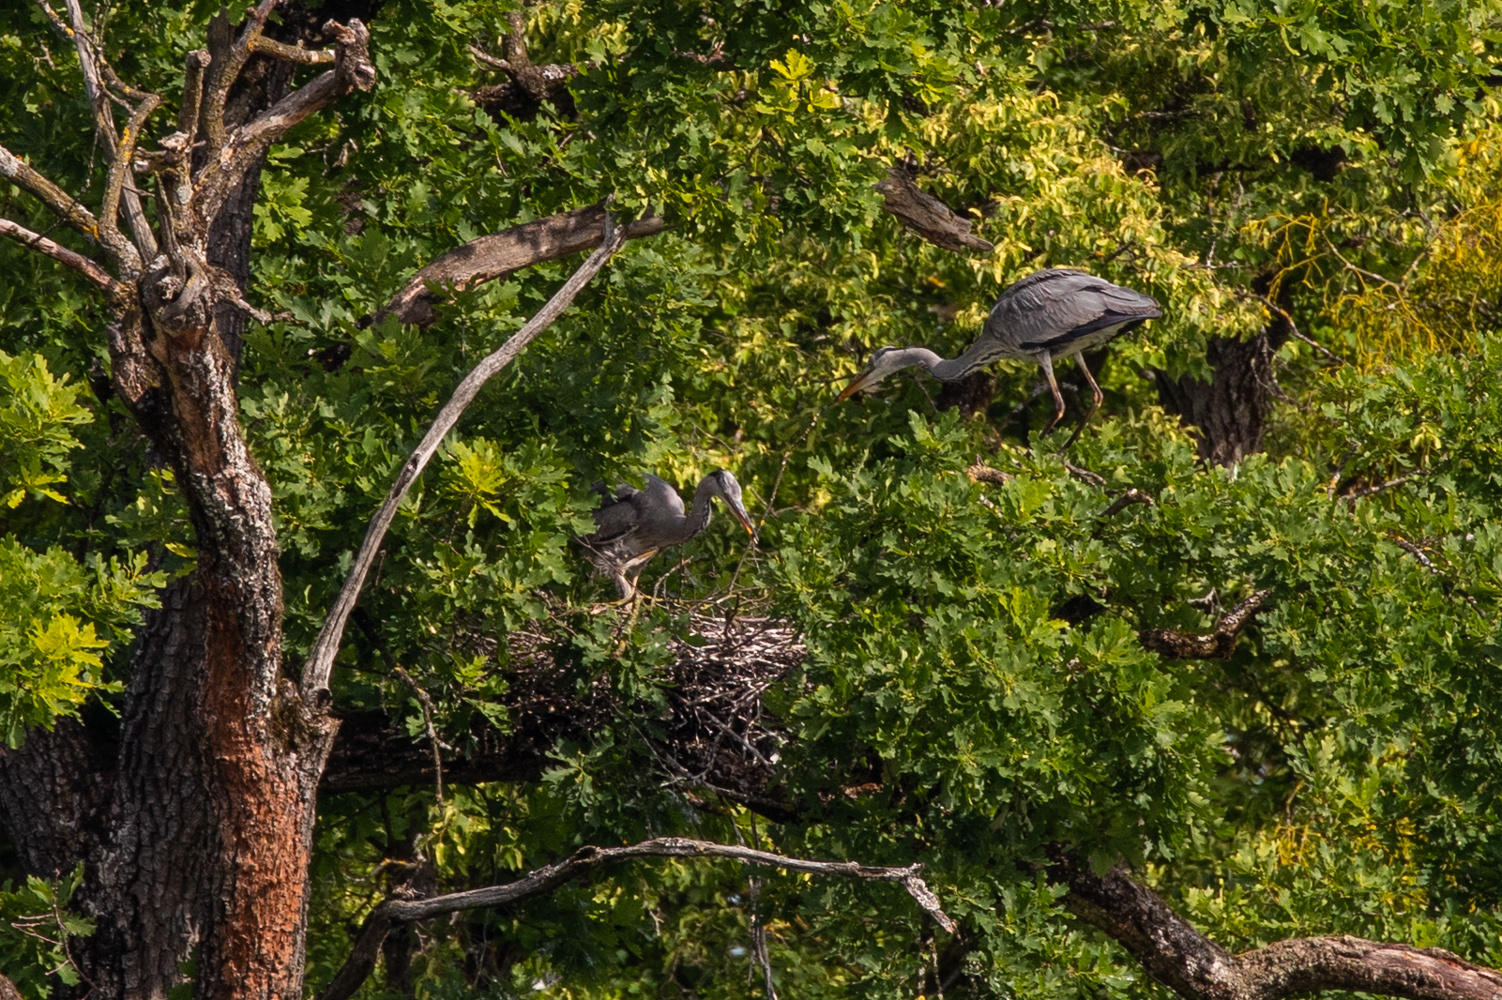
pixel 632 525
pixel 1049 314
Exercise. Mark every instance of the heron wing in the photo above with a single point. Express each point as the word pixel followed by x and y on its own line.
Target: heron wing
pixel 617 516
pixel 1050 309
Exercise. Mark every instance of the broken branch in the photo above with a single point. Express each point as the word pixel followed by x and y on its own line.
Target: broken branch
pixel 497 255
pixel 1218 645
pixel 244 147
pixel 584 861
pixel 926 215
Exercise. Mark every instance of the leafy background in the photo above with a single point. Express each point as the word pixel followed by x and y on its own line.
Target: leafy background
pixel 1336 775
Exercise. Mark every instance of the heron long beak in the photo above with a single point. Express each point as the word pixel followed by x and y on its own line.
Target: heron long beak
pixel 861 381
pixel 743 517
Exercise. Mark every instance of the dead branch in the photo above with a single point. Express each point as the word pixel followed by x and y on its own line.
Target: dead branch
pixel 291 53
pixel 926 215
pixel 321 658
pixel 20 173
pixel 127 256
pixel 224 70
pixel 1218 645
pixel 982 473
pixel 78 262
pixel 1367 491
pixel 1131 496
pixel 239 150
pixel 586 861
pixel 497 255
pixel 1178 956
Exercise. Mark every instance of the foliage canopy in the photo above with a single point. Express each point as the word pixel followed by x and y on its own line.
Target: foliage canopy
pixel 974 692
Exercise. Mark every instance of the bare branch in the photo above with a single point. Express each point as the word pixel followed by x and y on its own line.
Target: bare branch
pixel 497 255
pixel 1218 645
pixel 982 473
pixel 126 255
pixel 1131 496
pixel 486 59
pixel 292 53
pixel 16 170
pixel 583 862
pixel 321 659
pixel 1293 328
pixel 426 705
pixel 188 114
pixel 244 147
pixel 1177 955
pixel 926 215
pixel 114 185
pixel 225 70
pixel 1367 491
pixel 36 241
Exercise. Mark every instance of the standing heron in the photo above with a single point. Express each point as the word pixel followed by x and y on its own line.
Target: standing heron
pixel 632 525
pixel 1049 314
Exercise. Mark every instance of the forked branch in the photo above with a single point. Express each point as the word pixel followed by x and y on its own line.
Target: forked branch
pixel 1175 954
pixel 237 151
pixel 320 665
pixel 585 861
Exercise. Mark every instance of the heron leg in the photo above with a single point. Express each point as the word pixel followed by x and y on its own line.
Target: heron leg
pixel 1045 361
pixel 1096 398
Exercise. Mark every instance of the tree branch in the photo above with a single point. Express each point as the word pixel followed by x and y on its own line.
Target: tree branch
pixel 585 861
pixel 78 262
pixel 497 255
pixel 20 173
pixel 320 663
pixel 1215 646
pixel 224 70
pixel 1193 966
pixel 926 215
pixel 128 256
pixel 242 148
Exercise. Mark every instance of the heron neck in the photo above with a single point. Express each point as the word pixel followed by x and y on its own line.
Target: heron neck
pixel 956 368
pixel 698 514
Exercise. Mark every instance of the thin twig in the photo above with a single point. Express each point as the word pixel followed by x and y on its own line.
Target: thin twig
pixel 425 703
pixel 1293 328
pixel 1354 495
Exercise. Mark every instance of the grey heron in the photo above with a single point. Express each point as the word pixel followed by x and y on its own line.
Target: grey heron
pixel 632 525
pixel 1049 314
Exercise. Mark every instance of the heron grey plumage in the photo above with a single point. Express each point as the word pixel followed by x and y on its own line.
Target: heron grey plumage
pixel 1050 314
pixel 632 525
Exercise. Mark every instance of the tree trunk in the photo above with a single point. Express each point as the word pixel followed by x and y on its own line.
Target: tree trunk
pixel 1230 410
pixel 194 814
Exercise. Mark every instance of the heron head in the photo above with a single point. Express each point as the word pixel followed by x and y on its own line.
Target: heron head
pixel 730 491
pixel 884 362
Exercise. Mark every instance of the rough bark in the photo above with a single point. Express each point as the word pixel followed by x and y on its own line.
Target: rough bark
pixel 497 255
pixel 1230 410
pixel 926 215
pixel 1217 645
pixel 1196 968
pixel 196 824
